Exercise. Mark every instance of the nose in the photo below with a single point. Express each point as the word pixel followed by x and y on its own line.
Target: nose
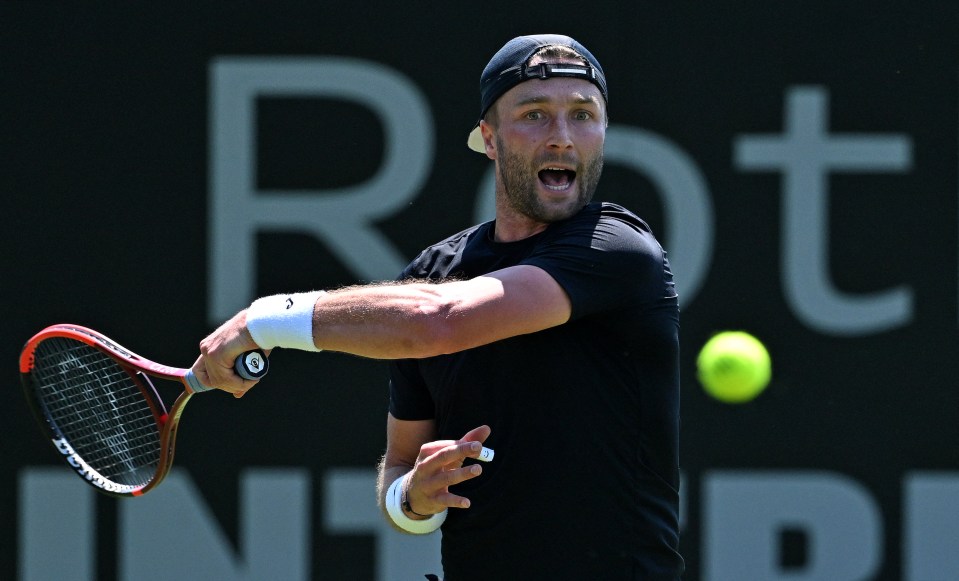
pixel 560 134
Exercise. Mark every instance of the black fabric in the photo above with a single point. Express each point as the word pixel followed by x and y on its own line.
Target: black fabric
pixel 508 68
pixel 584 416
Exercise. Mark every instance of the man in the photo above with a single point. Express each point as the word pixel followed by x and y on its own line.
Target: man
pixel 549 335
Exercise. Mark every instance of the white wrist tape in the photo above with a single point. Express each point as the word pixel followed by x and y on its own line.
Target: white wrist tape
pixel 394 506
pixel 283 321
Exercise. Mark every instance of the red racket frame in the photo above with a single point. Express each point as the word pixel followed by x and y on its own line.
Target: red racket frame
pixel 167 421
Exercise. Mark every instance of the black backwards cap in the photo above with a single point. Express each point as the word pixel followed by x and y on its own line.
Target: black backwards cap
pixel 508 68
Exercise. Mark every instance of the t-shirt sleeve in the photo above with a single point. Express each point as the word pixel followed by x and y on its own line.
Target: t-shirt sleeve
pixel 605 263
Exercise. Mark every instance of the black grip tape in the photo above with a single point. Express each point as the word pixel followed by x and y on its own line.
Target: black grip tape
pixel 252 365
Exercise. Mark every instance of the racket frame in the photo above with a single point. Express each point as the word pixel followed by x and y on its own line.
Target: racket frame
pixel 140 369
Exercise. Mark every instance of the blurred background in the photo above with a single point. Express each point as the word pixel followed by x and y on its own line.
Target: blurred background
pixel 166 163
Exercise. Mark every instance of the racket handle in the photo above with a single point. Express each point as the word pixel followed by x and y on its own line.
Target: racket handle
pixel 252 365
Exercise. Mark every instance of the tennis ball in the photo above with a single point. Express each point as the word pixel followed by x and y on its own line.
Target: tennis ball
pixel 734 367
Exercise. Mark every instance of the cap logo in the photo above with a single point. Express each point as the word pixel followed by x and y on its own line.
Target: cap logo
pixel 547 70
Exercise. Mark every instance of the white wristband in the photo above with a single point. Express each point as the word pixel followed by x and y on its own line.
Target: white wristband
pixel 283 321
pixel 394 506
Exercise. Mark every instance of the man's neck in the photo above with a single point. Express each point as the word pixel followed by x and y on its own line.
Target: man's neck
pixel 511 227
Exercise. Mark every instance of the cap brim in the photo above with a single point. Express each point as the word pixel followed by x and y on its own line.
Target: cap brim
pixel 475 140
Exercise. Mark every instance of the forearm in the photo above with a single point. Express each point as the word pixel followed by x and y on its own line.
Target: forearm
pixel 385 475
pixel 394 321
pixel 416 320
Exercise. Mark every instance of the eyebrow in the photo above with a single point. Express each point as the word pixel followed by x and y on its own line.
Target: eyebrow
pixel 539 98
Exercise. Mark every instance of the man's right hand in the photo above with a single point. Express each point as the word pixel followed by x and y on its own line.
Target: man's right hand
pixel 218 352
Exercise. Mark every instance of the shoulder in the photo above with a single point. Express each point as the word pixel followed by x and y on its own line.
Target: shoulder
pixel 619 217
pixel 433 257
pixel 608 226
pixel 606 257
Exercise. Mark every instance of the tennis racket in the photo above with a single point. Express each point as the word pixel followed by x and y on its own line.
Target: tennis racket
pixel 95 401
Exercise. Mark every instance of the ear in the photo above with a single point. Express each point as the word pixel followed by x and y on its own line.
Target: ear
pixel 488 141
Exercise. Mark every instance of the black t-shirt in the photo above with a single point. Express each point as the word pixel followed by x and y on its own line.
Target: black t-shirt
pixel 584 416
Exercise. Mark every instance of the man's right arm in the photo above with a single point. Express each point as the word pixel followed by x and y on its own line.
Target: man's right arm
pixel 405 321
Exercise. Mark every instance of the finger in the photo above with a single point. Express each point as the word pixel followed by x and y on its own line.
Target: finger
pixel 219 350
pixel 200 372
pixel 431 450
pixel 453 455
pixel 432 495
pixel 248 384
pixel 479 451
pixel 222 373
pixel 456 476
pixel 427 485
pixel 216 377
pixel 477 434
pixel 428 449
pixel 226 379
pixel 450 500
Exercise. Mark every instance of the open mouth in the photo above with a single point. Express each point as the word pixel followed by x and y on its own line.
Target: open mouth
pixel 556 178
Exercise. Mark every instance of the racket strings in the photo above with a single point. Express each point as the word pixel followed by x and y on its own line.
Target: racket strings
pixel 99 410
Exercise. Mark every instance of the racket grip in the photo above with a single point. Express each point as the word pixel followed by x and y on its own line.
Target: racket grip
pixel 252 365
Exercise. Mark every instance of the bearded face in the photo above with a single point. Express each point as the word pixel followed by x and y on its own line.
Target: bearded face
pixel 546 136
pixel 548 187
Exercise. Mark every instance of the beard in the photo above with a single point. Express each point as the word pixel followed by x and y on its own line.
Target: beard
pixel 520 179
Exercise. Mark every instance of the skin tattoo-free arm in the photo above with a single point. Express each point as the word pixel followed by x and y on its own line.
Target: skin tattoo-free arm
pixel 402 321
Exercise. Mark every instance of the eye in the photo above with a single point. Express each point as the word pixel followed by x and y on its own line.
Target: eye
pixel 534 115
pixel 583 116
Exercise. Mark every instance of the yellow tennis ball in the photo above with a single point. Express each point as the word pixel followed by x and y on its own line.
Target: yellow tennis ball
pixel 734 367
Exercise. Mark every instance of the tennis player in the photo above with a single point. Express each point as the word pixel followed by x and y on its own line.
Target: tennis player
pixel 548 336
